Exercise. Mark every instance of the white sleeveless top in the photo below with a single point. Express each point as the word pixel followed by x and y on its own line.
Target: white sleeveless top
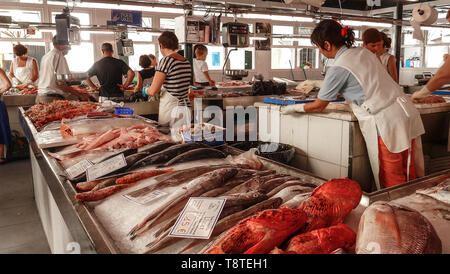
pixel 385 59
pixel 25 73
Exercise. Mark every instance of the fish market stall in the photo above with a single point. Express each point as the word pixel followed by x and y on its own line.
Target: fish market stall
pixel 330 144
pixel 15 98
pixel 103 226
pixel 67 220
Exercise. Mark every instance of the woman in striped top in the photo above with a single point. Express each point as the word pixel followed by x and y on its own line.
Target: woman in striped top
pixel 173 73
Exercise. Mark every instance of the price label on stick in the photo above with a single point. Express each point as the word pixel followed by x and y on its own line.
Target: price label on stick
pixel 198 218
pixel 106 167
pixel 78 169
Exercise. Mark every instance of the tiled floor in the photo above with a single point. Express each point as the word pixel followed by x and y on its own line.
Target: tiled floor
pixel 20 227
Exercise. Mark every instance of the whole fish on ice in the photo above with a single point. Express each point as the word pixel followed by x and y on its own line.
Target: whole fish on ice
pixel 387 228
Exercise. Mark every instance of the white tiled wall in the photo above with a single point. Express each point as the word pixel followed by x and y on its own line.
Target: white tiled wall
pixel 323 169
pixel 323 146
pixel 325 139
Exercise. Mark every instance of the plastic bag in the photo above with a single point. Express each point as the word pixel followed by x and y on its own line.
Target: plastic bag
pixel 18 148
pixel 247 159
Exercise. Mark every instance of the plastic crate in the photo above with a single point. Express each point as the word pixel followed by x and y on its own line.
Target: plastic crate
pixel 208 139
pixel 287 101
pixel 123 111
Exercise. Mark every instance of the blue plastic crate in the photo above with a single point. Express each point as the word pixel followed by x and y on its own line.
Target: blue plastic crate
pixel 280 101
pixel 123 111
pixel 441 92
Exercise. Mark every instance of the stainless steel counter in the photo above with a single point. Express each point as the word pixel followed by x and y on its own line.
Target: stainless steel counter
pixel 84 228
pixel 78 218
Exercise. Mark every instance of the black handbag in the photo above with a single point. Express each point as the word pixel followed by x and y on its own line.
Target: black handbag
pixel 18 148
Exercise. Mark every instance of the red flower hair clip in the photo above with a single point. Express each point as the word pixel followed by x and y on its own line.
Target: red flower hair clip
pixel 344 31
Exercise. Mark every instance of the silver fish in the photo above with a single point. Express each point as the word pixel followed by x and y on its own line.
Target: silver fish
pixel 195 187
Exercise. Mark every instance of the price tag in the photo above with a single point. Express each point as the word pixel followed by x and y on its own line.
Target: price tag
pixel 69 151
pixel 106 167
pixel 198 218
pixel 143 196
pixel 78 168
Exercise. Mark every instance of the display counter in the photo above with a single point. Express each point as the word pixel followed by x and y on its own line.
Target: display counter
pixel 330 144
pixel 68 222
pixel 72 226
pixel 12 103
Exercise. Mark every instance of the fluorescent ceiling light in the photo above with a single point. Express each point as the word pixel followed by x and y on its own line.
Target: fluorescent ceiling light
pixel 364 23
pixel 434 28
pixel 258 38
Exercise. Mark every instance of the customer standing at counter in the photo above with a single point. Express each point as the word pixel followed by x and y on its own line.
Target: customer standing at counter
pixel 24 69
pixel 54 63
pixel 109 72
pixel 174 74
pixel 388 60
pixel 145 76
pixel 153 61
pixel 389 122
pixel 5 131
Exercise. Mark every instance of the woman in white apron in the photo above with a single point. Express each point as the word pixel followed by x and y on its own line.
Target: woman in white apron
pixel 389 122
pixel 24 69
pixel 173 76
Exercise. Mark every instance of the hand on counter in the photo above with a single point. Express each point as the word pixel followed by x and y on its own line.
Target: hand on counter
pixel 419 95
pixel 292 109
pixel 122 87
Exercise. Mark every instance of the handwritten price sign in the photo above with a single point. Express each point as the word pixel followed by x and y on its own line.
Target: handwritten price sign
pixel 198 218
pixel 106 167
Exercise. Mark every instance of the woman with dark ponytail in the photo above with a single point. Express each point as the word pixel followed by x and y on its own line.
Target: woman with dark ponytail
pixel 389 121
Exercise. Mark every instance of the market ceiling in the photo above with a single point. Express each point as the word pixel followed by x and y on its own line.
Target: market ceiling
pixel 362 4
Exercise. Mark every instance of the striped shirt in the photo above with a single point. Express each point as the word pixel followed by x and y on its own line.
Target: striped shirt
pixel 178 78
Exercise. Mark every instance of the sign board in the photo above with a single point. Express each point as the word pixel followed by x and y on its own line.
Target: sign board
pixel 127 17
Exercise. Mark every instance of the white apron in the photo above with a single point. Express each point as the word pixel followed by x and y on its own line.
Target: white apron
pixel 23 75
pixel 169 111
pixel 386 108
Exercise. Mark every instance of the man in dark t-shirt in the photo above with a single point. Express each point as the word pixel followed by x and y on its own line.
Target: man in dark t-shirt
pixel 109 72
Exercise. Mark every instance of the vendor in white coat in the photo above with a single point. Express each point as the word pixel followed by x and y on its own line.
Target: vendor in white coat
pixel 54 62
pixel 24 69
pixel 389 122
pixel 173 73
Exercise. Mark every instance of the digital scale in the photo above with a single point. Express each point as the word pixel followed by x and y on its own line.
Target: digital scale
pixel 235 35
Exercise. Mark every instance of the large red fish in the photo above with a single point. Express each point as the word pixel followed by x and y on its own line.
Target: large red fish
pixel 320 241
pixel 261 232
pixel 330 203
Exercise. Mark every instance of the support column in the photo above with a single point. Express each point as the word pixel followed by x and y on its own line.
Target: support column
pixel 398 36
